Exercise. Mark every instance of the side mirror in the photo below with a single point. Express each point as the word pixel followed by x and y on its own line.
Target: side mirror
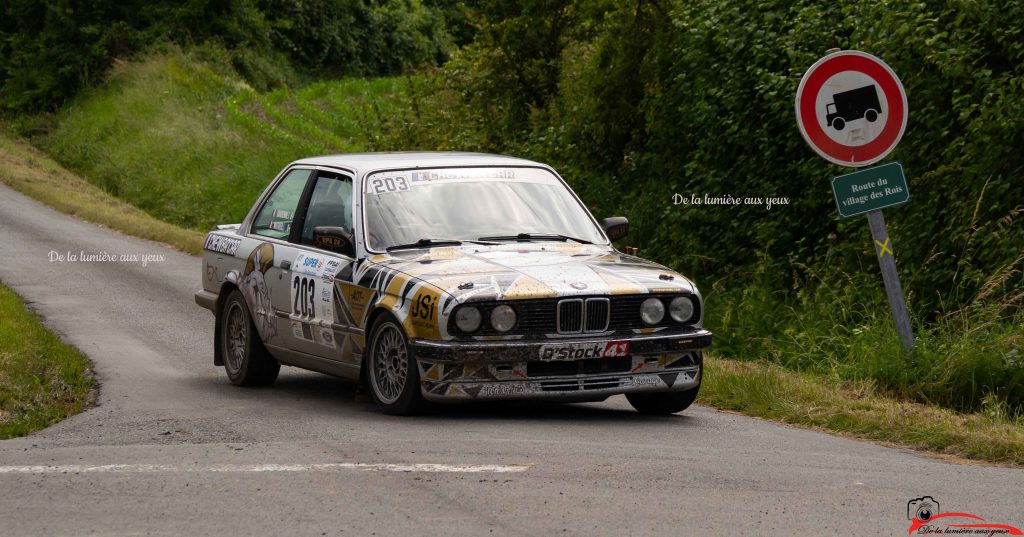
pixel 334 239
pixel 616 227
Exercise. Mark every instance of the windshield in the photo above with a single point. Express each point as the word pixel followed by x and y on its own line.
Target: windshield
pixel 469 204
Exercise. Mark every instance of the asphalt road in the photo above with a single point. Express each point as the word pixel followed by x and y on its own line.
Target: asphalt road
pixel 174 449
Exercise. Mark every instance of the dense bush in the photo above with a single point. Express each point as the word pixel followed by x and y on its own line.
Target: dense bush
pixel 50 49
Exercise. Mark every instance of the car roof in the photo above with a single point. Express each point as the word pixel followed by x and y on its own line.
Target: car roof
pixel 367 162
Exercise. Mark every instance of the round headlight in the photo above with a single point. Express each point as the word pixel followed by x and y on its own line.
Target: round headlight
pixel 468 318
pixel 652 311
pixel 503 318
pixel 681 309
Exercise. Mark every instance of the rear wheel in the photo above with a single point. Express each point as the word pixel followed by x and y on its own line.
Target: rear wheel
pixel 663 403
pixel 392 372
pixel 246 360
pixel 871 116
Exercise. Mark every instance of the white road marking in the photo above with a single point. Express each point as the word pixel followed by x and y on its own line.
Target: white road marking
pixel 166 468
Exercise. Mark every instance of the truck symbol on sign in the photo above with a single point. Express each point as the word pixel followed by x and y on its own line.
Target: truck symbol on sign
pixel 853 104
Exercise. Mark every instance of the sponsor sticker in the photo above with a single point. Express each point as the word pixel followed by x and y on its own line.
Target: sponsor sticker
pixel 312 296
pixel 221 244
pixel 646 380
pixel 582 351
pixel 501 390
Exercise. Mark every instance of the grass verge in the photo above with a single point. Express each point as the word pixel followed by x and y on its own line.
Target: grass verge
pixel 858 410
pixel 33 173
pixel 42 379
pixel 186 140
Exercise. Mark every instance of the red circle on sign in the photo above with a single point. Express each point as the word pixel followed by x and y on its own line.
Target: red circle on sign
pixel 896 119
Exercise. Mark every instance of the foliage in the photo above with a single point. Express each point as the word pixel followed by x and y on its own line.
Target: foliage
pixel 200 154
pixel 837 324
pixel 50 49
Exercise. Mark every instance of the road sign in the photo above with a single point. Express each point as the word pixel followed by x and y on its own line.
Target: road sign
pixel 851 108
pixel 870 189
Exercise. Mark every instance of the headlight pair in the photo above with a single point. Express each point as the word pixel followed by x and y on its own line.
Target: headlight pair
pixel 469 318
pixel 652 310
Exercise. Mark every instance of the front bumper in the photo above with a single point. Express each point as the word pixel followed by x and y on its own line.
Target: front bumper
pixel 481 370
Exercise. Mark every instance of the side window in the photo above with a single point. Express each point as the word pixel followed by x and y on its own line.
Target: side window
pixel 276 216
pixel 330 205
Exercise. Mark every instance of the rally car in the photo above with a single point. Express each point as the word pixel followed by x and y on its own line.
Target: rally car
pixel 437 277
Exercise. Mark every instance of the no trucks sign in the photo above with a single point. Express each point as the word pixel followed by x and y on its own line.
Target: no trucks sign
pixel 851 108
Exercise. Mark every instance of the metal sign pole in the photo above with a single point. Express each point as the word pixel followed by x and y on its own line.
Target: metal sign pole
pixel 893 290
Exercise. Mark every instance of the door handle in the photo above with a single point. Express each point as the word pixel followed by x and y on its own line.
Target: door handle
pixel 285 265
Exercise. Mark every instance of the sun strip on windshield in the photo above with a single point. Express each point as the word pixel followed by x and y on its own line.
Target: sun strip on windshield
pixel 389 182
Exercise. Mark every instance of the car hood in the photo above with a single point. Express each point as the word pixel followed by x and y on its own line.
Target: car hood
pixel 533 270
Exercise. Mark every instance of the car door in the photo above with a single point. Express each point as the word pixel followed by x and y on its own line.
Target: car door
pixel 269 263
pixel 319 320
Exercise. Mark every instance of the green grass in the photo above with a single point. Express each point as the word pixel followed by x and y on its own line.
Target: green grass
pixel 42 380
pixel 839 326
pixel 33 173
pixel 858 409
pixel 188 142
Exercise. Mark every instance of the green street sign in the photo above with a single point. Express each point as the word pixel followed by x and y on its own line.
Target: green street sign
pixel 871 189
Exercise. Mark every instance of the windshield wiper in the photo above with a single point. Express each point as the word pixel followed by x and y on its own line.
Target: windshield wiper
pixel 424 243
pixel 535 237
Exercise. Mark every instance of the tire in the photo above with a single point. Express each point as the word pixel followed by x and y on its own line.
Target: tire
pixel 838 123
pixel 664 403
pixel 391 369
pixel 246 360
pixel 871 116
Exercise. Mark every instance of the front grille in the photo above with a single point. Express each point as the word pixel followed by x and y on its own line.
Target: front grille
pixel 572 315
pixel 597 314
pixel 577 315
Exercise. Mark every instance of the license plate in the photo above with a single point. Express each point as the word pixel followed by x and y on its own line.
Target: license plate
pixel 582 351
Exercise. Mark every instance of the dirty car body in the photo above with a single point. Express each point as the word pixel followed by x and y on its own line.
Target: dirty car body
pixel 447 277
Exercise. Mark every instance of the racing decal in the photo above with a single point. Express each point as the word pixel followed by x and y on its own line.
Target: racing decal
pixel 325 337
pixel 493 390
pixel 388 182
pixel 212 273
pixel 221 244
pixel 302 331
pixel 356 300
pixel 619 285
pixel 646 380
pixel 423 314
pixel 527 287
pixel 256 292
pixel 392 181
pixel 582 351
pixel 312 296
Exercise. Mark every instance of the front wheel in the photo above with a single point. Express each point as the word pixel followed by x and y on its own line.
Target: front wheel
pixel 663 403
pixel 246 360
pixel 391 369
